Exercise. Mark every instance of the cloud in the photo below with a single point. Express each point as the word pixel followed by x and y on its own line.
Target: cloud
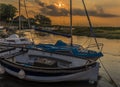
pixel 52 10
pixel 99 12
pixel 42 4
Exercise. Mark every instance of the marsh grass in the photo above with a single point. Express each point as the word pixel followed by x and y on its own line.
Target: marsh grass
pixel 102 32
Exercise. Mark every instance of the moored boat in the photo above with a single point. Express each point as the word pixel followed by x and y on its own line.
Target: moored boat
pixel 14 39
pixel 49 69
pixel 75 50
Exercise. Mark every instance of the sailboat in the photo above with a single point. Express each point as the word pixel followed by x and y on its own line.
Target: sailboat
pixel 42 66
pixel 74 50
pixel 15 39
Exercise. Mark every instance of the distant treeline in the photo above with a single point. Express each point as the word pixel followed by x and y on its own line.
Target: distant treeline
pixel 9 17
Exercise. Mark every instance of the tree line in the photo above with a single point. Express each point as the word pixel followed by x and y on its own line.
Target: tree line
pixel 8 14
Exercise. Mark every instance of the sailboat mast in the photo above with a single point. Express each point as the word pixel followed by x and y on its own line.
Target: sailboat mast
pixel 19 15
pixel 90 24
pixel 71 22
pixel 27 13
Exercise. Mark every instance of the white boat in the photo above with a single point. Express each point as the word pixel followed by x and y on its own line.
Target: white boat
pixel 38 68
pixel 14 39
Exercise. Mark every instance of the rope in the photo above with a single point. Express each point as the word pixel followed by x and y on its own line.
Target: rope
pixel 90 24
pixel 114 83
pixel 85 42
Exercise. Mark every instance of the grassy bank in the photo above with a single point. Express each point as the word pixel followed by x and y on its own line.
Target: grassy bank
pixel 102 32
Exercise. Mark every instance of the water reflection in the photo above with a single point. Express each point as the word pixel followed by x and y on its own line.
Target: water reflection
pixel 111 61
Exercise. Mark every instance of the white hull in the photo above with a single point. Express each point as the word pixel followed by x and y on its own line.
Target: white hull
pixel 78 70
pixel 89 75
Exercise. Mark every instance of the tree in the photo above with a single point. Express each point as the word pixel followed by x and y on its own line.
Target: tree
pixel 7 12
pixel 42 20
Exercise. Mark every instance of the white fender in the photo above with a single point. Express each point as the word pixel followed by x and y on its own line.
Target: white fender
pixel 91 82
pixel 2 70
pixel 21 74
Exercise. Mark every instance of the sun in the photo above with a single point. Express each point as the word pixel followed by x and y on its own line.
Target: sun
pixel 60 5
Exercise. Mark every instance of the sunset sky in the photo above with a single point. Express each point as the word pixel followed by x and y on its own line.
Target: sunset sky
pixel 102 12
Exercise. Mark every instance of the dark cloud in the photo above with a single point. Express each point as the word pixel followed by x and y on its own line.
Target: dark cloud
pixel 99 12
pixel 42 4
pixel 78 12
pixel 52 10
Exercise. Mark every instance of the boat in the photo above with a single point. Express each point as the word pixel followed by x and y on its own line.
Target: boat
pixel 14 39
pixel 26 66
pixel 29 63
pixel 71 49
pixel 75 50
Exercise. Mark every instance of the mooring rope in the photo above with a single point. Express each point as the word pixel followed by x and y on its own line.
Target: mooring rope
pixel 108 74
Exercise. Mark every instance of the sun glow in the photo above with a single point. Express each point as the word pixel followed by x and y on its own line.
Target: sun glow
pixel 60 5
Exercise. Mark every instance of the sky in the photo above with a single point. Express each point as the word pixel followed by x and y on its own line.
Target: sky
pixel 101 12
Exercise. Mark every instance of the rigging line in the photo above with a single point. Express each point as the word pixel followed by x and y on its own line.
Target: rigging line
pixel 28 19
pixel 90 24
pixel 108 74
pixel 87 41
pixel 26 13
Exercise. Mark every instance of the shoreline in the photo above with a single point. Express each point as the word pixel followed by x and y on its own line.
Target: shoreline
pixel 99 32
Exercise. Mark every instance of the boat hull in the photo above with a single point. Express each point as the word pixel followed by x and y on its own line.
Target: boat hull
pixel 56 75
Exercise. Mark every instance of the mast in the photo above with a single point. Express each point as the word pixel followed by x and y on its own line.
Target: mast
pixel 90 24
pixel 19 16
pixel 71 22
pixel 26 13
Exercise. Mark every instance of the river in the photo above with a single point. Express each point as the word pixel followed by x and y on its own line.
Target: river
pixel 111 61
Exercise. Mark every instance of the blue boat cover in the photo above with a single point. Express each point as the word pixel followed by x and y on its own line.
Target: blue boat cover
pixel 60 43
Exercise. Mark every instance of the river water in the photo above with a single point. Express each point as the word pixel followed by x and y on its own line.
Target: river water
pixel 110 60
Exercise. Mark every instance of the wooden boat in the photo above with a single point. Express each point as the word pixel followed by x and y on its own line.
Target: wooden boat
pixel 27 66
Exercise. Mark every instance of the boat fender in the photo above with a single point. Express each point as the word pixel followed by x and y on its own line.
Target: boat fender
pixel 21 74
pixel 91 82
pixel 2 70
